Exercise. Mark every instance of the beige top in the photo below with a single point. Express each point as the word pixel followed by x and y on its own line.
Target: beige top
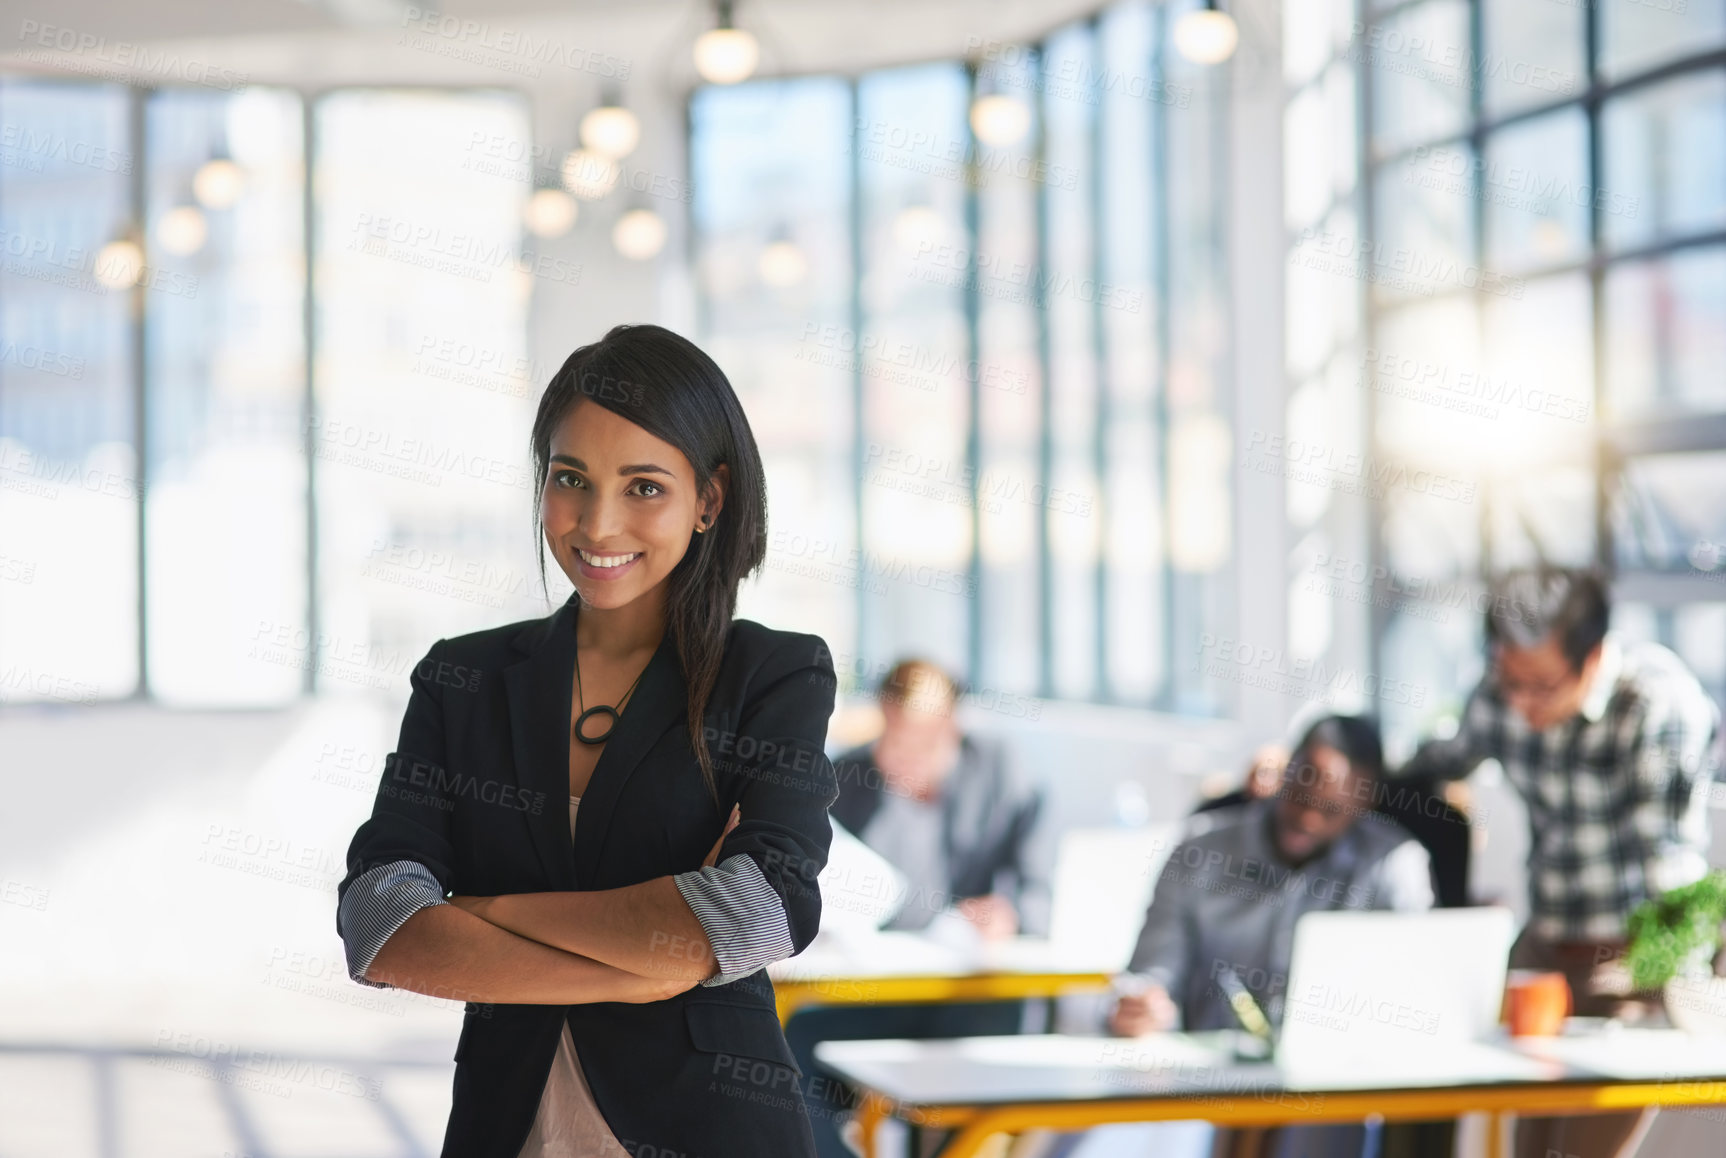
pixel 569 1124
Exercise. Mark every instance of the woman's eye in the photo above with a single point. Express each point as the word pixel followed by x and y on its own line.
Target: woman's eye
pixel 564 476
pixel 654 487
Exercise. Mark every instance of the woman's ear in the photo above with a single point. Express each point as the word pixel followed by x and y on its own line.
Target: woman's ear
pixel 713 499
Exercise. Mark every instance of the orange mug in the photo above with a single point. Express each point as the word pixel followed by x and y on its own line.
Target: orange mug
pixel 1536 1003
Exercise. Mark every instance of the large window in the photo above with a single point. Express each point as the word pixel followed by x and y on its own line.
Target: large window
pixel 191 513
pixel 945 290
pixel 1538 251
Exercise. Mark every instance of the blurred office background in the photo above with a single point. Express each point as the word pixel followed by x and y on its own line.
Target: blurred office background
pixel 1160 397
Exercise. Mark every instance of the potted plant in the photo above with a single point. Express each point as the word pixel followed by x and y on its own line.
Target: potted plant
pixel 1673 940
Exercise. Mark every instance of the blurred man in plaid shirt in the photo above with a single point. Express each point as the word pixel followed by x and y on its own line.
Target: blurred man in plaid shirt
pixel 1611 745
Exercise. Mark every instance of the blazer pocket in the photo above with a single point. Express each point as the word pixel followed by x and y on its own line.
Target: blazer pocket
pixel 744 1030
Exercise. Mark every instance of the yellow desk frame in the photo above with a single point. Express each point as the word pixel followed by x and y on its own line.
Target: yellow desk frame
pixel 793 995
pixel 978 1126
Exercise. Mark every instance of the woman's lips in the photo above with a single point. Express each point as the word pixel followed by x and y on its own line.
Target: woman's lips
pixel 590 571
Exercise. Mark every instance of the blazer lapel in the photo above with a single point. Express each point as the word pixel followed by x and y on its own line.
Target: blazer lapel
pixel 539 689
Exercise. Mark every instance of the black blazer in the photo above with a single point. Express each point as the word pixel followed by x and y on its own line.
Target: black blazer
pixel 477 791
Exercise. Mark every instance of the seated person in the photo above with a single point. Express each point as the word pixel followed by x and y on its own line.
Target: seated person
pixel 956 816
pixel 1231 891
pixel 948 809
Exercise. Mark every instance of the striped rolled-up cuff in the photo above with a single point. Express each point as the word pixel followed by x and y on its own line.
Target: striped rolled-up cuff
pixel 743 917
pixel 376 904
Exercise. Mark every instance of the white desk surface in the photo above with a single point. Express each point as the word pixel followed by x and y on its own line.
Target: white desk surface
pixel 979 1071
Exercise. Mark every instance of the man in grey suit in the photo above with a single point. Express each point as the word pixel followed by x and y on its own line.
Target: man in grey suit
pixel 952 811
pixel 957 816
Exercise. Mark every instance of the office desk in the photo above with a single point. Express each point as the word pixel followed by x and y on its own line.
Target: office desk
pixel 982 1086
pixel 906 969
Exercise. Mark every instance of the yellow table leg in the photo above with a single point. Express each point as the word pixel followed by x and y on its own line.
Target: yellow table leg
pixel 1495 1134
pixel 871 1112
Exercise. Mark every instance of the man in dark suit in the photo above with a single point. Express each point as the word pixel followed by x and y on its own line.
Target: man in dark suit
pixel 957 816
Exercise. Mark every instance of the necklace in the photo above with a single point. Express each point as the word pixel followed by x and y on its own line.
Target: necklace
pixel 598 709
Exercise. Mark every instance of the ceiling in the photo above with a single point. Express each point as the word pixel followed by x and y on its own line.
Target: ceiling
pixel 318 43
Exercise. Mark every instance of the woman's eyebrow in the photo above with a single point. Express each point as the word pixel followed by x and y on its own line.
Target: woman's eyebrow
pixel 633 468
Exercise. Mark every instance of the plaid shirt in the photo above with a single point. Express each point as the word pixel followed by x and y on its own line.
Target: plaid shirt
pixel 1617 795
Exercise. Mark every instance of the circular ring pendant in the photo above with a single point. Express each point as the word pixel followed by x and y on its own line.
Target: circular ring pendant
pixel 596 710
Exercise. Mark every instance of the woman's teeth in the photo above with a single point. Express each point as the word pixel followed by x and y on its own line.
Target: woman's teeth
pixel 605 560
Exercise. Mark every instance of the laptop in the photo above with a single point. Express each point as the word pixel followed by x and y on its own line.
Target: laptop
pixel 1382 989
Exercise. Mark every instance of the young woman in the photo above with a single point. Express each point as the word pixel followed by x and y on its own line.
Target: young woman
pixel 611 956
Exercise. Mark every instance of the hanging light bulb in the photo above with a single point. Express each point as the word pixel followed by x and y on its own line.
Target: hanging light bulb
pixel 120 263
pixel 589 175
pixel 549 213
pixel 611 130
pixel 917 225
pixel 724 54
pixel 218 183
pixel 182 230
pixel 639 234
pixel 782 263
pixel 1206 35
pixel 1000 120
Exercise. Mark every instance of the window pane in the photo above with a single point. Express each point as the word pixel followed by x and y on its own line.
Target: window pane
pixel 1134 590
pixel 1665 160
pixel 1665 505
pixel 1426 227
pixel 1418 60
pixel 1666 334
pixel 1073 368
pixel 1200 436
pixel 916 474
pixel 68 474
pixel 1539 372
pixel 227 394
pixel 771 166
pixel 1535 188
pixel 1007 384
pixel 424 486
pixel 1532 53
pixel 1639 34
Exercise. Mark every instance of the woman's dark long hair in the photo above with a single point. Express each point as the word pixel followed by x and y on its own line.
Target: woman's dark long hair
pixel 664 384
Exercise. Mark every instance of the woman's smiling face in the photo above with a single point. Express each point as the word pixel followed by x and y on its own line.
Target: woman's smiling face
pixel 619 507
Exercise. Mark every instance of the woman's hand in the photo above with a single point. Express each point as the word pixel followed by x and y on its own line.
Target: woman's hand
pixel 712 856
